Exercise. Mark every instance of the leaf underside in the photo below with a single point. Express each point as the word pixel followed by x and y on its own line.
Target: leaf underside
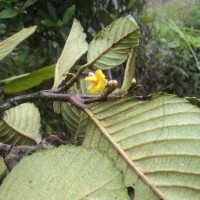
pixel 156 143
pixel 111 46
pixel 74 48
pixel 9 44
pixel 129 71
pixel 75 120
pixel 65 172
pixel 21 125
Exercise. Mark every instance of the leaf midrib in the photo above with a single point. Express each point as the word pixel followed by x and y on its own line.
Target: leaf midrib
pixel 124 155
pixel 111 46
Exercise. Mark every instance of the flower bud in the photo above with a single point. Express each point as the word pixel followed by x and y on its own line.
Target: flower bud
pixel 112 85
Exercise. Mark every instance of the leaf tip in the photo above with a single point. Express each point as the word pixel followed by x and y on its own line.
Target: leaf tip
pixel 133 20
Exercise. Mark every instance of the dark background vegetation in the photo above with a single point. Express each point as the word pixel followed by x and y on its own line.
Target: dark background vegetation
pixel 165 62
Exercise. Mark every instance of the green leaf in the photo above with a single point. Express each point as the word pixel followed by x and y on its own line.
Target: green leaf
pixel 8 13
pixel 129 71
pixel 111 46
pixel 65 172
pixel 52 11
pixel 10 43
pixel 49 23
pixel 74 48
pixel 21 83
pixel 68 14
pixel 131 4
pixel 155 142
pixel 29 3
pixel 7 80
pixel 57 107
pixel 20 125
pixel 194 101
pixel 75 119
pixel 105 17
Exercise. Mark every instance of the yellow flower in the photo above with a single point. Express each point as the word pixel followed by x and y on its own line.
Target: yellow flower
pixel 97 82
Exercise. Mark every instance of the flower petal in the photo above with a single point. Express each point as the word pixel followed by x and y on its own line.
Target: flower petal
pixel 92 89
pixel 97 82
pixel 100 86
pixel 99 74
pixel 91 79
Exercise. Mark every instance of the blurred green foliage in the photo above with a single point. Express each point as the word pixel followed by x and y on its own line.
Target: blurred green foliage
pixel 53 21
pixel 166 62
pixel 192 17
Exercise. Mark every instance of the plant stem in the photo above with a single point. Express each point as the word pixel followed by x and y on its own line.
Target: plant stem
pixel 42 95
pixel 76 100
pixel 73 79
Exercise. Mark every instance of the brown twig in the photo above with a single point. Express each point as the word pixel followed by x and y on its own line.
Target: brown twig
pixel 13 154
pixel 52 94
pixel 76 100
pixel 42 95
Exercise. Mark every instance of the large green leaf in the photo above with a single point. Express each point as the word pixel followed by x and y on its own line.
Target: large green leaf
pixel 74 48
pixel 10 43
pixel 28 81
pixel 111 46
pixel 20 125
pixel 156 143
pixel 75 120
pixel 66 172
